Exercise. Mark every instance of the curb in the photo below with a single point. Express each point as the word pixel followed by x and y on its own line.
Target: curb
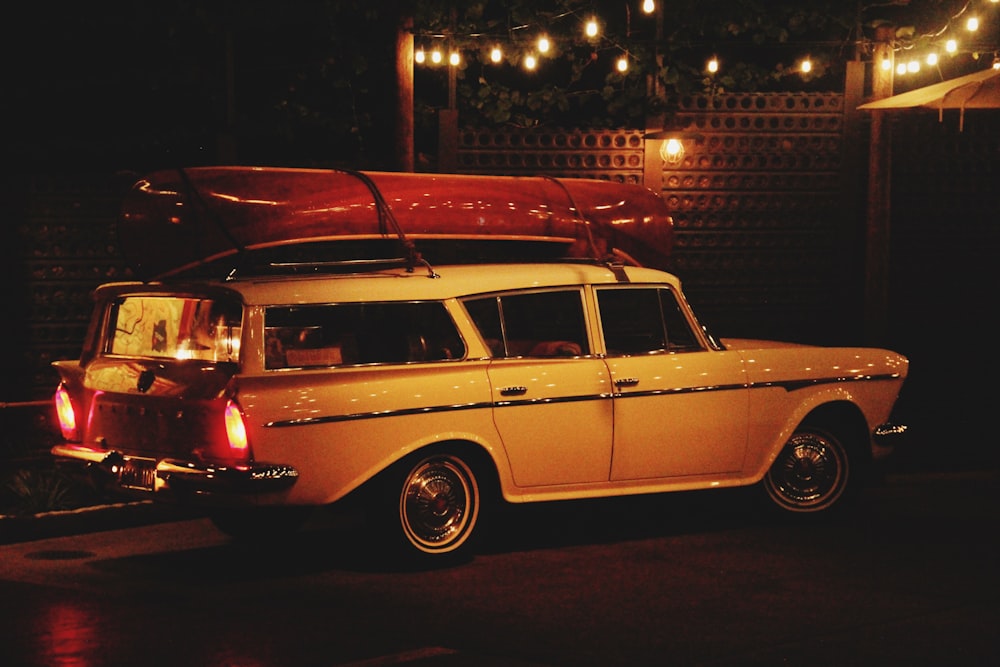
pixel 92 519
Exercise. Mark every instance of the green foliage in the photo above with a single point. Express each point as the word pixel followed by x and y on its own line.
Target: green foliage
pixel 34 490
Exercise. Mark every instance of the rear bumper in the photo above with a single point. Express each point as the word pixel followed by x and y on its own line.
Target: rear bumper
pixel 184 478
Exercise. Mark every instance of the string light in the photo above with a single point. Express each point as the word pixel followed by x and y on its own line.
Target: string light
pixel 592 31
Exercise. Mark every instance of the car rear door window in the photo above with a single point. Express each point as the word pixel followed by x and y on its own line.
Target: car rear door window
pixel 532 324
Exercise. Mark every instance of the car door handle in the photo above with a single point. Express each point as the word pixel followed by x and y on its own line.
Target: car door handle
pixel 513 391
pixel 626 382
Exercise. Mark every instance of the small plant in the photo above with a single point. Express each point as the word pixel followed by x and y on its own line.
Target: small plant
pixel 35 490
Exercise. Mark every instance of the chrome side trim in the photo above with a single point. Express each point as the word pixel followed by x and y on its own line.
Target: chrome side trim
pixel 787 385
pixel 792 385
pixel 330 419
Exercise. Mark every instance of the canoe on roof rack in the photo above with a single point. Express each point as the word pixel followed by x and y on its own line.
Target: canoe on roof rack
pixel 177 221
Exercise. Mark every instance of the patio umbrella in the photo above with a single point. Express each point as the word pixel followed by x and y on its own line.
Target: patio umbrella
pixel 980 90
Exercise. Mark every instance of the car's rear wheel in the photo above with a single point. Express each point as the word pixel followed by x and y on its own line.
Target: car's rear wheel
pixel 810 474
pixel 437 505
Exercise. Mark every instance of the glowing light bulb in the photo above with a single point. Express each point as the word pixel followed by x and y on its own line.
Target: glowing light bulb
pixel 672 151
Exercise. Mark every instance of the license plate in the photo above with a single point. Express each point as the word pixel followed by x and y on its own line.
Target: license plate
pixel 138 474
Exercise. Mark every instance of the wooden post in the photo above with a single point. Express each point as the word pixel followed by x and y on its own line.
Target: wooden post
pixel 403 140
pixel 879 209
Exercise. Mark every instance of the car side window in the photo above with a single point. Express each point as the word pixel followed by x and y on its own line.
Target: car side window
pixel 359 333
pixel 641 320
pixel 533 324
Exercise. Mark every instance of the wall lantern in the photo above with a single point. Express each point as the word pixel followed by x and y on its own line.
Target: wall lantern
pixel 671 145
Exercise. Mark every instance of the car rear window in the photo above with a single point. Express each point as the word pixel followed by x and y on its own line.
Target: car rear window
pixel 175 327
pixel 359 333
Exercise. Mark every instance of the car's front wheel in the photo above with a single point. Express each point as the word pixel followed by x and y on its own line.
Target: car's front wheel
pixel 437 505
pixel 810 474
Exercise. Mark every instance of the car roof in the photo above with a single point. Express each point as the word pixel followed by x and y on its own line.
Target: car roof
pixel 422 283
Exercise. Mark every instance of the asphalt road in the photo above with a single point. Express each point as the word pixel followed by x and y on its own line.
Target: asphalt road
pixel 909 577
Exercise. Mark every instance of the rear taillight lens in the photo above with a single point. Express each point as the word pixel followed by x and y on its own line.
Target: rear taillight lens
pixel 236 431
pixel 66 414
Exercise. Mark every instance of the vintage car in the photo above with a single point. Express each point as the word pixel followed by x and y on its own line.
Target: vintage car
pixel 431 393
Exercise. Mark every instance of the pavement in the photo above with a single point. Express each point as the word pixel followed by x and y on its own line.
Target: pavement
pixel 114 516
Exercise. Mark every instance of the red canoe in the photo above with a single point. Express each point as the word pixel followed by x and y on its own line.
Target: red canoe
pixel 174 221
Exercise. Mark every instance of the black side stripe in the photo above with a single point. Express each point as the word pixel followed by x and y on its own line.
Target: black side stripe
pixel 787 385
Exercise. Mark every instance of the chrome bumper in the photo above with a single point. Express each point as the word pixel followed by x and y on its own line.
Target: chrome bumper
pixel 182 477
pixel 885 438
pixel 888 434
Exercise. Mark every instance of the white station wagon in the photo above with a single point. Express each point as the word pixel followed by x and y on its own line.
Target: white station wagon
pixel 431 393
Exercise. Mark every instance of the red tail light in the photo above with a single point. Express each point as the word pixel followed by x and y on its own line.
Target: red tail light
pixel 66 414
pixel 236 431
